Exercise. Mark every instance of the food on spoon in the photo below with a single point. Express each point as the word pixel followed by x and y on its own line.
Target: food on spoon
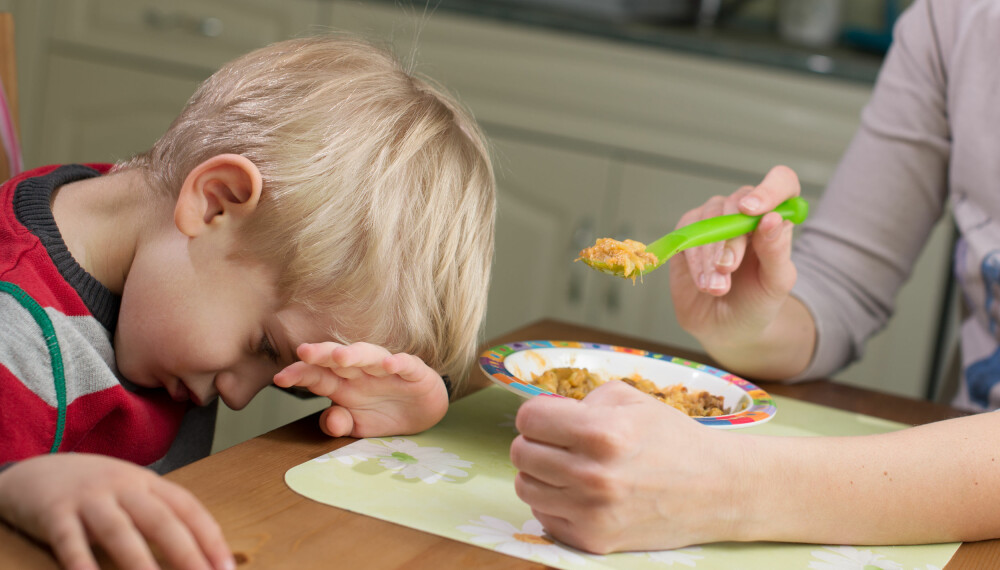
pixel 578 382
pixel 630 255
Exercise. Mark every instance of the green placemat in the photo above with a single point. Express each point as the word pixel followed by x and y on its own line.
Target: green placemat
pixel 456 480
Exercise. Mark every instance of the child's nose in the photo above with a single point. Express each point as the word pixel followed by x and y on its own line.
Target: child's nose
pixel 202 388
pixel 237 388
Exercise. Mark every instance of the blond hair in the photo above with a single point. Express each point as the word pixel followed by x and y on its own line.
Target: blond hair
pixel 378 202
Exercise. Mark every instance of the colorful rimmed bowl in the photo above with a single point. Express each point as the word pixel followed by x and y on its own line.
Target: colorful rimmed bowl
pixel 512 365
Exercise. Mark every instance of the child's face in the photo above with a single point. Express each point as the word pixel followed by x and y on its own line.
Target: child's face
pixel 202 325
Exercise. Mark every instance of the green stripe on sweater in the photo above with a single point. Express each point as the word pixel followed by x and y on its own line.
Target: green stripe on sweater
pixel 55 354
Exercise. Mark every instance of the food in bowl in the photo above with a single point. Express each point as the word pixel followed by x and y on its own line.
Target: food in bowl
pixel 578 382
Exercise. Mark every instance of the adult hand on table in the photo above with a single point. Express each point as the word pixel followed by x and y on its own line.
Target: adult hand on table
pixel 619 470
pixel 373 392
pixel 734 297
pixel 70 500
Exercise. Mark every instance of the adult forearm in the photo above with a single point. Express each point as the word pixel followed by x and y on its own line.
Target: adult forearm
pixel 934 483
pixel 780 350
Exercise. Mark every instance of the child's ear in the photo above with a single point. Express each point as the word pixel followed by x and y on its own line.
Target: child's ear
pixel 223 189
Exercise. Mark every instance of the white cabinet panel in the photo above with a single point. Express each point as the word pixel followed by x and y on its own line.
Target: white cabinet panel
pixel 95 112
pixel 644 100
pixel 189 33
pixel 550 204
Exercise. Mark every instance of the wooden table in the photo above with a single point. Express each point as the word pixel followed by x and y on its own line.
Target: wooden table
pixel 270 527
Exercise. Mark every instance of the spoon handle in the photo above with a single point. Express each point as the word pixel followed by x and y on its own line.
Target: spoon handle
pixel 721 228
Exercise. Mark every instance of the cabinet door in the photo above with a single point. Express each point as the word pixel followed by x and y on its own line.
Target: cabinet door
pixel 184 34
pixel 550 204
pixel 95 112
pixel 649 203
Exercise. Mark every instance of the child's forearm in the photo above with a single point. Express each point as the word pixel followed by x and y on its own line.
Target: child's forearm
pixel 933 483
pixel 782 350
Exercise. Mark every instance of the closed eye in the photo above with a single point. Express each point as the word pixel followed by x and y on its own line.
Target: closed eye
pixel 267 348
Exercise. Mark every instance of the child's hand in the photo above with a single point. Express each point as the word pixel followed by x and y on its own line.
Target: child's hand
pixel 621 470
pixel 70 500
pixel 374 392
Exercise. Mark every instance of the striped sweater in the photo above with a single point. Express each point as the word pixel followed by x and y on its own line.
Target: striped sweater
pixel 59 387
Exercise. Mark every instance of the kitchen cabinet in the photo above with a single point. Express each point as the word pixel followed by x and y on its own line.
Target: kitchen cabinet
pixel 114 73
pixel 113 113
pixel 601 138
pixel 550 203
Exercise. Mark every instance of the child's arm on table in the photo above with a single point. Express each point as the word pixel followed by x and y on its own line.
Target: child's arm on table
pixel 621 471
pixel 373 391
pixel 70 500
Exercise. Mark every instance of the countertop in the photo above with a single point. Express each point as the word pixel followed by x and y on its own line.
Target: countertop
pixel 743 40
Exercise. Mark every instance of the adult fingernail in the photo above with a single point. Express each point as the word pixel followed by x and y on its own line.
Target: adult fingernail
pixel 702 281
pixel 750 203
pixel 727 258
pixel 717 282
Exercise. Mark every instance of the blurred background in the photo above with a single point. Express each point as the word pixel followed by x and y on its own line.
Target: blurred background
pixel 609 118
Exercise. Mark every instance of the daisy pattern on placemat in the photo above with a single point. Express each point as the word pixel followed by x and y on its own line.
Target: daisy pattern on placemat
pixel 683 556
pixel 402 456
pixel 510 421
pixel 850 558
pixel 529 541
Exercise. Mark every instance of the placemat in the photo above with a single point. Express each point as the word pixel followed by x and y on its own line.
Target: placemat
pixel 456 480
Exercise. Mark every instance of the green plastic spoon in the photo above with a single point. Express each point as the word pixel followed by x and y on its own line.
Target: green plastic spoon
pixel 709 230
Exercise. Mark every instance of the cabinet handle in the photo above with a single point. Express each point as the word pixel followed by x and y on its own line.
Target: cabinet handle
pixel 208 26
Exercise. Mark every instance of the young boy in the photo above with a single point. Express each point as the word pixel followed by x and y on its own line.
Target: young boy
pixel 315 216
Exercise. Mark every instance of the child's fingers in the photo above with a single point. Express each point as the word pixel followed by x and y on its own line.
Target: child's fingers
pixel 318 353
pixel 348 360
pixel 317 379
pixel 336 421
pixel 409 367
pixel 109 526
pixel 203 526
pixel 69 542
pixel 161 527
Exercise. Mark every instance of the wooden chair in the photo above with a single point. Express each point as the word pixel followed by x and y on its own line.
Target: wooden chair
pixel 10 133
